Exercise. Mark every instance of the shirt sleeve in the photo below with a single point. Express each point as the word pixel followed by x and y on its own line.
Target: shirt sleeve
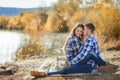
pixel 76 44
pixel 88 45
pixel 97 50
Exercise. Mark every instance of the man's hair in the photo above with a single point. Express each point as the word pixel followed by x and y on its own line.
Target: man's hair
pixel 90 26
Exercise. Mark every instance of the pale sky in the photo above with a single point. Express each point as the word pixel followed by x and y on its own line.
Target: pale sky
pixel 26 3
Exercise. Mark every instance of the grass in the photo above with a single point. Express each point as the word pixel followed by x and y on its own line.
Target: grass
pixel 30 48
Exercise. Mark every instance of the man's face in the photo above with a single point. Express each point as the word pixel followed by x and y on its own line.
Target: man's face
pixel 86 31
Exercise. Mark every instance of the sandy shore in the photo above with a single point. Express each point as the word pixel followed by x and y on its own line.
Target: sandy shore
pixel 48 63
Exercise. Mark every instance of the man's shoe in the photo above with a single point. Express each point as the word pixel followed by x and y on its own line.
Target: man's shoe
pixel 108 67
pixel 37 74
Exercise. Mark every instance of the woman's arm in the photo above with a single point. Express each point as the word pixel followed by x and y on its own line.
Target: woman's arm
pixel 76 44
pixel 69 50
pixel 72 47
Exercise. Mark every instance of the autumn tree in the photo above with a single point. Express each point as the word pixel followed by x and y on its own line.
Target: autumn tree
pixel 43 15
pixel 14 23
pixel 27 18
pixel 3 21
pixel 62 12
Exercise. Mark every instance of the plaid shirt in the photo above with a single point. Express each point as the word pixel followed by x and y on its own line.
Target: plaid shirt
pixel 90 45
pixel 73 47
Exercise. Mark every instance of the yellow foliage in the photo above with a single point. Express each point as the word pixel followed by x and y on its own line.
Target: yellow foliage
pixel 34 27
pixel 63 11
pixel 27 18
pixel 65 14
pixel 30 48
pixel 4 21
pixel 17 22
pixel 54 23
pixel 14 22
pixel 105 18
pixel 79 16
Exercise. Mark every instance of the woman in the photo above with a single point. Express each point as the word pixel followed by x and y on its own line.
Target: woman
pixel 73 43
pixel 72 47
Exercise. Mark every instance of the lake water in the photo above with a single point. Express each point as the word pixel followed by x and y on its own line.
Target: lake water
pixel 9 43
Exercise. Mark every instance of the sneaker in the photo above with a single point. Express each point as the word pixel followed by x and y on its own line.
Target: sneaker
pixel 37 74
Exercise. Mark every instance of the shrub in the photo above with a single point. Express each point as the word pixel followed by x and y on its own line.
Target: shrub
pixel 62 12
pixel 79 16
pixel 34 28
pixel 30 48
pixel 43 15
pixel 3 21
pixel 106 19
pixel 55 23
pixel 110 24
pixel 14 23
pixel 26 18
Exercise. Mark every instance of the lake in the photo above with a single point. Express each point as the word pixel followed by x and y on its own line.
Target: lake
pixel 9 43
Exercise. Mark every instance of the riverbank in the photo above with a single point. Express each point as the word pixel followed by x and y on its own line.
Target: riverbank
pixel 42 64
pixel 52 58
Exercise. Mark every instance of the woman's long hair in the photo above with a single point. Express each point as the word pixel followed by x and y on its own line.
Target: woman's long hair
pixel 72 33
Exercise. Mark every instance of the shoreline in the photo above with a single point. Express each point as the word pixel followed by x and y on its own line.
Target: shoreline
pixel 42 64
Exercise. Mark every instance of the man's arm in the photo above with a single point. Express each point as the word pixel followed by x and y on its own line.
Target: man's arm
pixel 88 45
pixel 97 50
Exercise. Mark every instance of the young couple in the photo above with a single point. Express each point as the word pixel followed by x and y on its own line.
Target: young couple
pixel 82 52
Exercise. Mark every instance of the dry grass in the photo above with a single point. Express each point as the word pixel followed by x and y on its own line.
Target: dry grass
pixel 30 48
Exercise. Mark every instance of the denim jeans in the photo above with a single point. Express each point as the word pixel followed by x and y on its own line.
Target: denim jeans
pixel 81 66
pixel 92 56
pixel 74 68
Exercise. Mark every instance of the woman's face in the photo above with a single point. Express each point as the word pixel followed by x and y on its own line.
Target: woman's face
pixel 79 31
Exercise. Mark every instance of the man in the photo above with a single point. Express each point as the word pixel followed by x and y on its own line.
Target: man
pixel 80 64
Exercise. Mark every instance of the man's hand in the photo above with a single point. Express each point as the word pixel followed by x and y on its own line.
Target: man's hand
pixel 67 63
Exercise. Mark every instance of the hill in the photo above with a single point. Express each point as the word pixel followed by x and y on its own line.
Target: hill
pixel 9 11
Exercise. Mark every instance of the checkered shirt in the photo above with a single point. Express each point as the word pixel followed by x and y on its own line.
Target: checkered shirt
pixel 73 47
pixel 89 45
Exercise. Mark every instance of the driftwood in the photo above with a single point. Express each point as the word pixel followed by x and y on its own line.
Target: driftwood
pixel 8 69
pixel 114 48
pixel 6 72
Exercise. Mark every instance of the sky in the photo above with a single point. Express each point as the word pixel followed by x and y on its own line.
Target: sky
pixel 26 3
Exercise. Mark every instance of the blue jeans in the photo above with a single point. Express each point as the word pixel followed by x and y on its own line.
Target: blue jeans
pixel 92 56
pixel 81 66
pixel 74 68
